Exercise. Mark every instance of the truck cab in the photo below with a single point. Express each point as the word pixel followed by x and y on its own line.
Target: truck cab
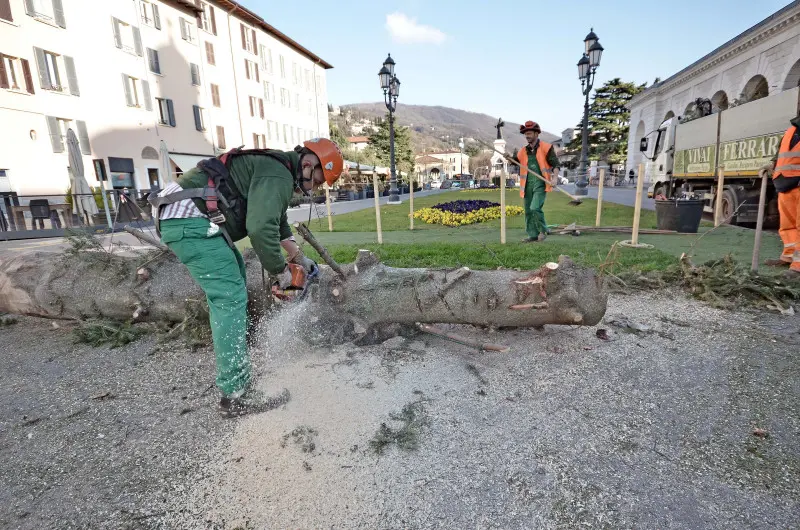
pixel 658 172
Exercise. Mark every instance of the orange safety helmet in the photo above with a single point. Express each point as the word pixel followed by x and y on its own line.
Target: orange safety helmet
pixel 329 156
pixel 530 126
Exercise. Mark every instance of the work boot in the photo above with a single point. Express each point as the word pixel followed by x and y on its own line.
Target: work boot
pixel 530 240
pixel 542 237
pixel 251 402
pixel 780 262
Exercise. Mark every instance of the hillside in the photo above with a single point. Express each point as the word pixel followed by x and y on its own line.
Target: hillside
pixel 432 124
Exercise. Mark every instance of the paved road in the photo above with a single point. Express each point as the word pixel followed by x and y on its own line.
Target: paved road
pixel 618 195
pixel 301 213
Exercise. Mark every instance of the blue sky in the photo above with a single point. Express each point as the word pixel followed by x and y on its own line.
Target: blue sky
pixel 515 59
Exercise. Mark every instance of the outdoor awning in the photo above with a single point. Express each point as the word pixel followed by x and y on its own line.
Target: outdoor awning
pixel 186 162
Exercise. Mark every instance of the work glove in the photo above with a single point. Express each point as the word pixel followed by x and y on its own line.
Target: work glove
pixel 284 278
pixel 309 265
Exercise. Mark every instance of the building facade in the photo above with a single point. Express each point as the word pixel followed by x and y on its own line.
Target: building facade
pixel 762 61
pixel 125 75
pixel 452 162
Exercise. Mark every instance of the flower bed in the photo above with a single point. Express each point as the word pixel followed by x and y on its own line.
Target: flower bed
pixel 458 213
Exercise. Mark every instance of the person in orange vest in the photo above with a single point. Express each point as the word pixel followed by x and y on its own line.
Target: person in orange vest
pixel 786 178
pixel 538 157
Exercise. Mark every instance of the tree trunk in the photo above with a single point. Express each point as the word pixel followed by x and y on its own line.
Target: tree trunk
pixel 94 284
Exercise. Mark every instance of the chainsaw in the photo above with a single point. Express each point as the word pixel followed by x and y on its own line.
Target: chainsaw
pixel 298 288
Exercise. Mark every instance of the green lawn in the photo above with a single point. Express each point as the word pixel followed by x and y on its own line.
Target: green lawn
pixel 478 246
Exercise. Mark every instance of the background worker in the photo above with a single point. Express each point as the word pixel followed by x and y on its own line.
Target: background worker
pixel 786 179
pixel 539 157
pixel 259 185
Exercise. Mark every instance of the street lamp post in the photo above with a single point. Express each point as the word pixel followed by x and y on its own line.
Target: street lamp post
pixel 391 89
pixel 461 155
pixel 587 67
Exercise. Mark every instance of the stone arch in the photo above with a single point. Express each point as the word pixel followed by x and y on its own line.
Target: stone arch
pixel 756 88
pixel 689 109
pixel 793 77
pixel 149 153
pixel 667 116
pixel 719 102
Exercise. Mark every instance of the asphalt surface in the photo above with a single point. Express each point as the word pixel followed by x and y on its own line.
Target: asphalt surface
pixel 625 195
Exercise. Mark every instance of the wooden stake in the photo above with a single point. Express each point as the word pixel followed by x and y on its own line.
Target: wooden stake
pixel 328 205
pixel 718 206
pixel 637 210
pixel 759 223
pixel 503 206
pixel 600 196
pixel 411 201
pixel 377 206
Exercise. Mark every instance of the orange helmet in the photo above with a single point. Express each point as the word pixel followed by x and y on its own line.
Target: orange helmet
pixel 329 156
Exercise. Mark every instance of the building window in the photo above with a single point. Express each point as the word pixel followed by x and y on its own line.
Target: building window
pixel 46 10
pixel 251 70
pixel 248 39
pixel 187 31
pixel 308 80
pixel 262 57
pixel 297 102
pixel 284 98
pixel 57 72
pixel 208 20
pixel 215 96
pixel 261 108
pixel 150 15
pixel 210 57
pixel 295 73
pixel 252 106
pixel 199 118
pixel 152 61
pixel 269 92
pixel 14 73
pixel 5 10
pixel 269 130
pixel 220 137
pixel 166 112
pixel 259 142
pixel 195 72
pixel 286 134
pixel 283 67
pixel 126 37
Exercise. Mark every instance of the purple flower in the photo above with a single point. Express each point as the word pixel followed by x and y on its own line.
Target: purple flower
pixel 464 206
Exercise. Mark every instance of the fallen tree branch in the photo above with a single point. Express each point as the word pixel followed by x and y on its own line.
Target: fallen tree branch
pixel 322 251
pixel 482 346
pixel 144 238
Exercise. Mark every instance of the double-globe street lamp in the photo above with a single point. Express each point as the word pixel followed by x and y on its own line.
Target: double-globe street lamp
pixel 391 89
pixel 587 67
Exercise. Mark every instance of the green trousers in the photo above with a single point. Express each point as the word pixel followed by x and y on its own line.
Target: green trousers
pixel 220 272
pixel 533 204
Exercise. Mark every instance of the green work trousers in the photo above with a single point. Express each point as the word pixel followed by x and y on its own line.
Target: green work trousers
pixel 220 272
pixel 533 203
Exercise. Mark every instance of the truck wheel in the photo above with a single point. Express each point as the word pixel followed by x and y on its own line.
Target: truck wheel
pixel 729 205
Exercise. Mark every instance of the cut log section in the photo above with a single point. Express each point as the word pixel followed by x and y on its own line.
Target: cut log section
pixel 99 285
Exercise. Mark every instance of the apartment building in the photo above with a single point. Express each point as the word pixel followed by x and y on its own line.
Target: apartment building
pixel 125 75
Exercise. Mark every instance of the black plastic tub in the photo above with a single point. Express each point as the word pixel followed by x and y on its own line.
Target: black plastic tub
pixel 679 215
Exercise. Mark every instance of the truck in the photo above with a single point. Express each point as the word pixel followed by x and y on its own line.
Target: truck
pixel 688 156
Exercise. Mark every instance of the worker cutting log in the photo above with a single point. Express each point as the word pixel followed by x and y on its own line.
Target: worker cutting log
pixel 243 193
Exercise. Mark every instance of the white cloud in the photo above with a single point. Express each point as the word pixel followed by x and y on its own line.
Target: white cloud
pixel 407 31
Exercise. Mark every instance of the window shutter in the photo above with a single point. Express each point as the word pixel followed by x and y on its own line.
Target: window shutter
pixel 210 54
pixel 195 74
pixel 128 95
pixel 221 137
pixel 215 95
pixel 213 19
pixel 72 76
pixel 5 10
pixel 258 76
pixel 156 17
pixel 184 30
pixel 246 69
pixel 196 111
pixel 261 108
pixel 83 137
pixel 244 38
pixel 26 71
pixel 171 112
pixel 117 36
pixel 29 9
pixel 252 111
pixel 58 14
pixel 152 57
pixel 44 75
pixel 3 76
pixel 137 41
pixel 55 134
pixel 148 101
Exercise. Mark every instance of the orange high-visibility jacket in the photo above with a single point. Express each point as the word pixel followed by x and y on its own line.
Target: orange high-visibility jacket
pixel 788 164
pixel 541 157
